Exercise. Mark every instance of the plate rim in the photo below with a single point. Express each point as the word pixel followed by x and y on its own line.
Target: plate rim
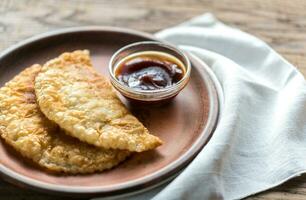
pixel 153 179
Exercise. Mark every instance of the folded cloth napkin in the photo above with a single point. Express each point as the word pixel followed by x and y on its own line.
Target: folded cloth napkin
pixel 260 140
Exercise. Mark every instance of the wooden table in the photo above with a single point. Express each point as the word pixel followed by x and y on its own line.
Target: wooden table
pixel 280 23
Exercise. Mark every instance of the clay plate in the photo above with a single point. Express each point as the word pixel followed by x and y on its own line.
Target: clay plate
pixel 185 125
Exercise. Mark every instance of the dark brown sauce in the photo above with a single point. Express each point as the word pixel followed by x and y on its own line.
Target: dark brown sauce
pixel 149 72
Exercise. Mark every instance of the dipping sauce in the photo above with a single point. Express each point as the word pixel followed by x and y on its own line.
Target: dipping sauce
pixel 149 70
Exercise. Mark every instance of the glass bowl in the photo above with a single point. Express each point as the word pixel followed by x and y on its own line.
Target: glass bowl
pixel 149 96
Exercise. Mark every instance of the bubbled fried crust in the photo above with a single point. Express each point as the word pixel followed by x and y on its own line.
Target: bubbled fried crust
pixel 23 126
pixel 73 95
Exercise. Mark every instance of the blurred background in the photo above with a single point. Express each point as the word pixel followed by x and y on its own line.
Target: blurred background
pixel 280 23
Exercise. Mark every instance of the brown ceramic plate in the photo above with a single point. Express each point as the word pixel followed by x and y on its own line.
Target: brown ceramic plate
pixel 185 125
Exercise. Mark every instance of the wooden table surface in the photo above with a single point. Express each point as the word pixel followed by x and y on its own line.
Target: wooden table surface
pixel 280 23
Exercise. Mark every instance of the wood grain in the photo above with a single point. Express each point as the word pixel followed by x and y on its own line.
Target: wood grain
pixel 280 23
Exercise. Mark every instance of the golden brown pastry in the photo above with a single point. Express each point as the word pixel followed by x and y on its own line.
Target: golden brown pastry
pixel 82 102
pixel 23 126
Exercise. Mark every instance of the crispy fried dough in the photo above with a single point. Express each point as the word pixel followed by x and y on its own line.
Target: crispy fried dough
pixel 73 95
pixel 23 126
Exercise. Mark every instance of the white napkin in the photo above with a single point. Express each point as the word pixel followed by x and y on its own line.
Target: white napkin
pixel 260 141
